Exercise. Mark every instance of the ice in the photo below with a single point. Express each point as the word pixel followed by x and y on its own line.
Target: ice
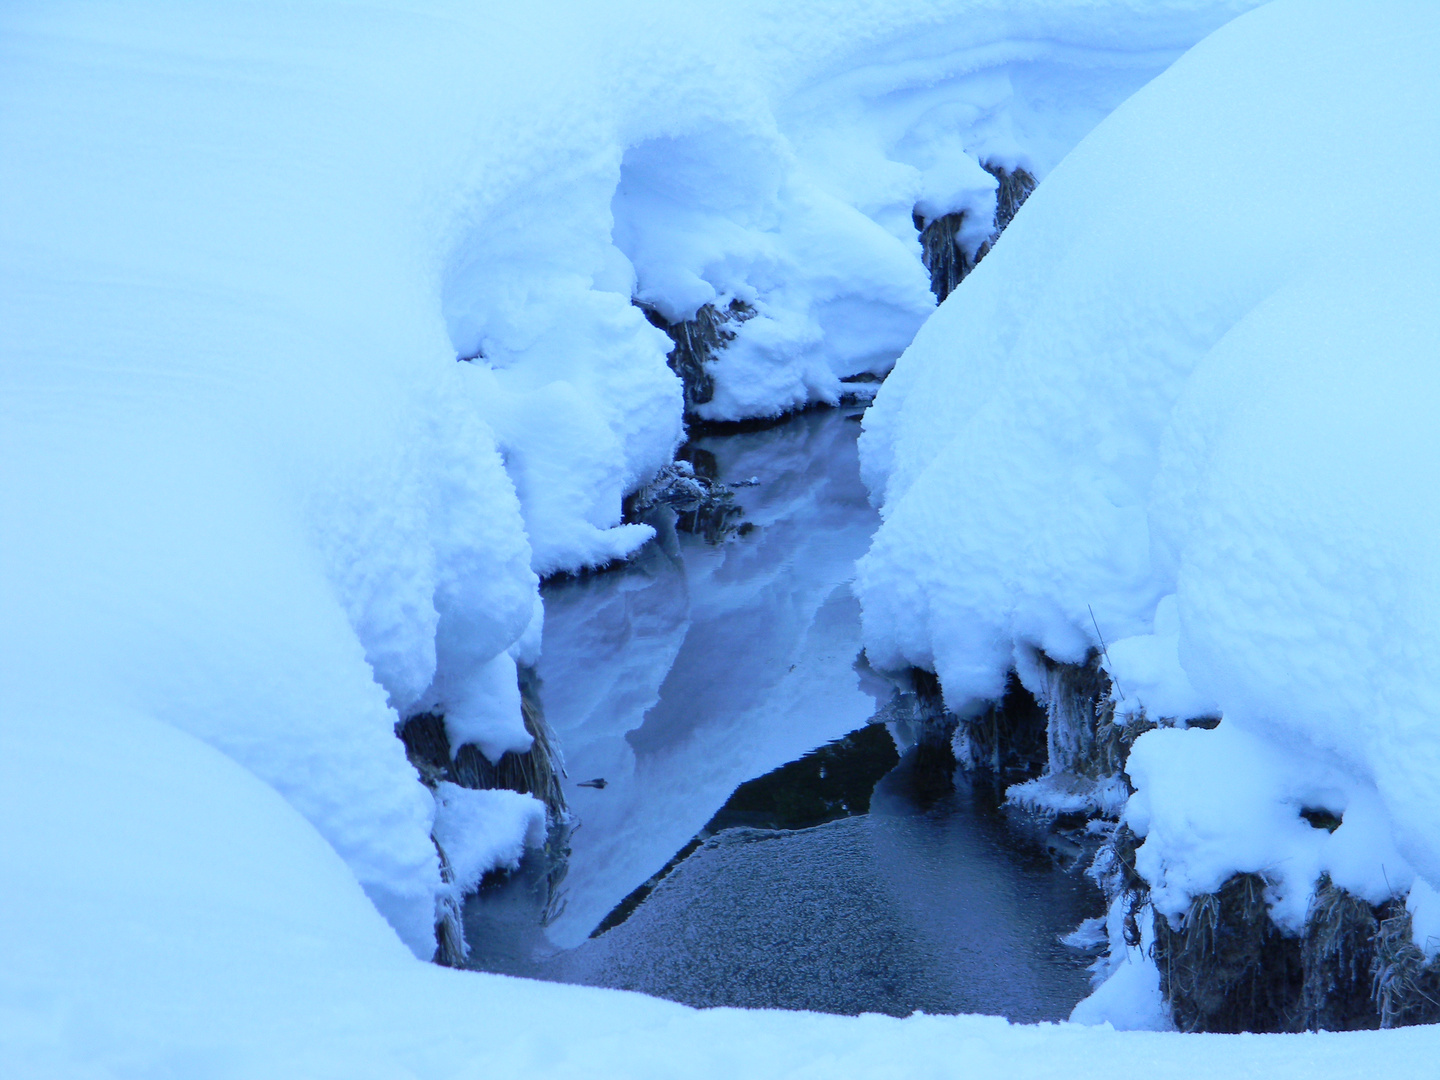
pixel 705 665
pixel 933 908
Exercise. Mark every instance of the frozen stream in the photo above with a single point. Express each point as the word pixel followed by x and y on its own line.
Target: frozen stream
pixel 702 666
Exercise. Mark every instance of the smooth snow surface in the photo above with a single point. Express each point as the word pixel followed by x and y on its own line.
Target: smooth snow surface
pixel 1193 392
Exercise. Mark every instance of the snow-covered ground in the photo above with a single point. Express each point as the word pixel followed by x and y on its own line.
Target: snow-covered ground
pixel 253 509
pixel 1188 404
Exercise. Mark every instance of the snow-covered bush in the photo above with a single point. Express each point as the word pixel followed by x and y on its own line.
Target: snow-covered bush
pixel 1188 404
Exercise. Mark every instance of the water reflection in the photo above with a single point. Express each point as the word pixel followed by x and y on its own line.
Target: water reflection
pixel 699 667
pixel 702 665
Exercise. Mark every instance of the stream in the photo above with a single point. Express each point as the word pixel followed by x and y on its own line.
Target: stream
pixel 744 833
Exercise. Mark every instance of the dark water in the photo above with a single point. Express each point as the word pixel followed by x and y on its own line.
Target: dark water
pixel 748 851
pixel 945 908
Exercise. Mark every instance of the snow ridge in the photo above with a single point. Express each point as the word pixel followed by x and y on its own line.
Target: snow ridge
pixel 1163 412
pixel 249 490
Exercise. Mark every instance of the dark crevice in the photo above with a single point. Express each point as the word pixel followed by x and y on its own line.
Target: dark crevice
pixel 698 426
pixel 1008 740
pixel 947 259
pixel 697 342
pixel 1320 818
pixel 829 783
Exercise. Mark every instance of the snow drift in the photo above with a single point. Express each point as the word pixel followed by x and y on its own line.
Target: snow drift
pixel 1192 393
pixel 254 510
pixel 247 488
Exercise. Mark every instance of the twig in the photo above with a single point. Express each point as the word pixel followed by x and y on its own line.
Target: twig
pixel 1105 652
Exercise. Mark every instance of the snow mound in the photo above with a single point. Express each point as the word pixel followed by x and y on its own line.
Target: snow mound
pixel 765 153
pixel 248 489
pixel 482 831
pixel 1193 392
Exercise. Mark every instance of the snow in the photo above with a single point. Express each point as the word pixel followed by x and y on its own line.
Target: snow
pixel 234 942
pixel 803 206
pixel 1424 906
pixel 482 831
pixel 1129 1000
pixel 1213 803
pixel 255 510
pixel 1168 399
pixel 245 490
pixel 1148 671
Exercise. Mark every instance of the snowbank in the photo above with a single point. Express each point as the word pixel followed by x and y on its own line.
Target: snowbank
pixel 199 927
pixel 482 831
pixel 1193 393
pixel 790 178
pixel 247 488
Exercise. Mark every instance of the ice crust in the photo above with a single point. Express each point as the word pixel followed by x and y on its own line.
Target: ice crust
pixel 1193 392
pixel 702 666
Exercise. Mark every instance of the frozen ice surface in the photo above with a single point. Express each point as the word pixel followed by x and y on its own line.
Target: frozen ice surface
pixel 938 910
pixel 703 665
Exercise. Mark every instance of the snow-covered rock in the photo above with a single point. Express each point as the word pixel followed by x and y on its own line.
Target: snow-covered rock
pixel 1192 393
pixel 481 831
pixel 248 489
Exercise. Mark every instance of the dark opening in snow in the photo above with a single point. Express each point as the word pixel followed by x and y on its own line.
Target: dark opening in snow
pixel 755 841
